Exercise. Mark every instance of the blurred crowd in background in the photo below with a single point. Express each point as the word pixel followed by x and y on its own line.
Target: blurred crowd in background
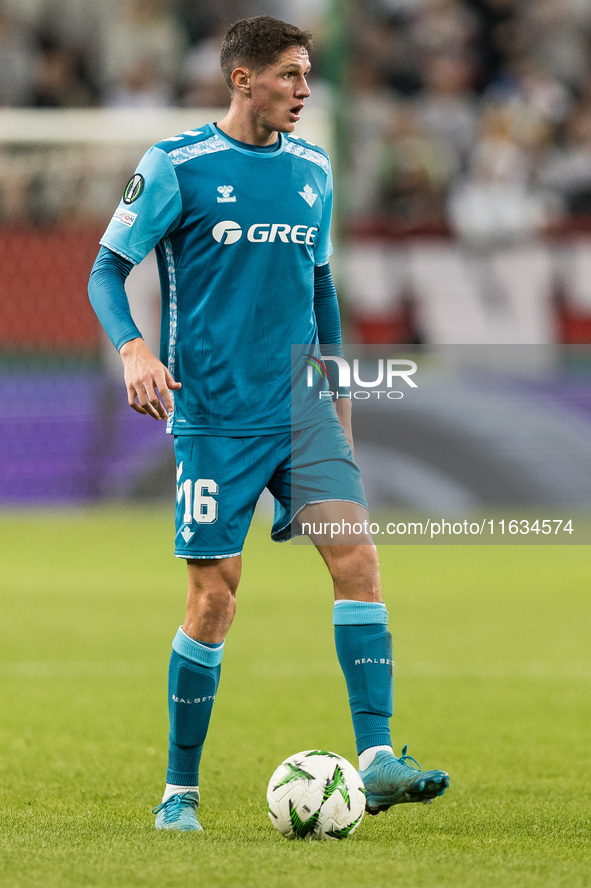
pixel 480 109
pixel 123 53
pixel 473 112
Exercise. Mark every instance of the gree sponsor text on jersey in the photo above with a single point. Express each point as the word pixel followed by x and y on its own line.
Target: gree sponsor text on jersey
pixel 229 232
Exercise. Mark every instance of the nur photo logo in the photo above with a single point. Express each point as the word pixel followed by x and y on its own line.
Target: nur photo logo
pixel 361 380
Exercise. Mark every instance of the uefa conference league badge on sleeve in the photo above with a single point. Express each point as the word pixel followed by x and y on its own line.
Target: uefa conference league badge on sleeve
pixel 133 189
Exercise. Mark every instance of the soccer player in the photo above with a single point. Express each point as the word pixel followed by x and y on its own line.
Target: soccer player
pixel 239 213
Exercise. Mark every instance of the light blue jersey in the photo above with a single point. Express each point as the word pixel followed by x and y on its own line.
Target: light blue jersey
pixel 237 233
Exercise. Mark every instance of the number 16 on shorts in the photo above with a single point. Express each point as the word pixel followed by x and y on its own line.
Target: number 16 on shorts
pixel 198 497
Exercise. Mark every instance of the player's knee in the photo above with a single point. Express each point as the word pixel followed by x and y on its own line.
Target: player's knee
pixel 361 559
pixel 212 590
pixel 219 597
pixel 355 571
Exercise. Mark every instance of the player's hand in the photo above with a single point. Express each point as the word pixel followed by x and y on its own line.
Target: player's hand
pixel 149 383
pixel 343 409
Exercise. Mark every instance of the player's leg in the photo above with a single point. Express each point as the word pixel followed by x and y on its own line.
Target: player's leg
pixel 193 679
pixel 218 483
pixel 364 650
pixel 319 492
pixel 360 618
pixel 326 500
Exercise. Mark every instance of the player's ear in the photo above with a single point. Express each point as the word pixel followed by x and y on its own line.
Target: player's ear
pixel 241 80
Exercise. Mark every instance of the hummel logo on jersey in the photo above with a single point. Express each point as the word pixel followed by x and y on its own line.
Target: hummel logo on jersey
pixel 226 191
pixel 308 195
pixel 229 232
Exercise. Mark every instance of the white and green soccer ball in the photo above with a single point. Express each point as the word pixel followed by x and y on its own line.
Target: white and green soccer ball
pixel 316 794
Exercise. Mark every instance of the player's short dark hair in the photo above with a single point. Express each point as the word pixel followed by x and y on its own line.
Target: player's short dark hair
pixel 257 43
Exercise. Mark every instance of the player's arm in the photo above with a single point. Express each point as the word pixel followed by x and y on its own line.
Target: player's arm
pixel 343 409
pixel 150 208
pixel 328 321
pixel 147 380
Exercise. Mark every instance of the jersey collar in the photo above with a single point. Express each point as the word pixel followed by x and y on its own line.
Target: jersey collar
pixel 244 148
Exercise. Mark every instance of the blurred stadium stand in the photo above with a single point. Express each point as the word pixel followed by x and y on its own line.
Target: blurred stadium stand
pixel 461 130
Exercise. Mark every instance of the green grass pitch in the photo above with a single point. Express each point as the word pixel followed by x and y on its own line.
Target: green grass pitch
pixel 493 676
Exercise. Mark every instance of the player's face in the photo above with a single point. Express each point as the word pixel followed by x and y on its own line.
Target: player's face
pixel 279 91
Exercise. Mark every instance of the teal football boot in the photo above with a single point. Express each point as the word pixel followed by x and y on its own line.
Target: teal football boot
pixel 391 781
pixel 179 812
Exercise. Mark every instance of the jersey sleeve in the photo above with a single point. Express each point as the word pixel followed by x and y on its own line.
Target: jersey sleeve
pixel 106 289
pixel 326 309
pixel 150 208
pixel 323 248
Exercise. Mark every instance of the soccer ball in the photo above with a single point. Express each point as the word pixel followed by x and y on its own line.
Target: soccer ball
pixel 316 794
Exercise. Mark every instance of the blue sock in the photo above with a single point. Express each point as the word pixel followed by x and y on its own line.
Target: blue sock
pixel 364 649
pixel 193 678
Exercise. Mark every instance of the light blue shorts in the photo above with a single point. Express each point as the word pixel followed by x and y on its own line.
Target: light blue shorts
pixel 219 482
